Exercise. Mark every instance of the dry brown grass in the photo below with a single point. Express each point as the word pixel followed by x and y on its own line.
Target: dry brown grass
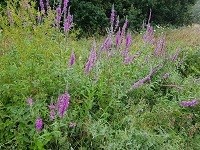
pixel 186 36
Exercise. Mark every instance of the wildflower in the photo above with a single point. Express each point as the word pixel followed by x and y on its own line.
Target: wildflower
pixel 68 22
pixel 52 111
pixel 175 56
pixel 128 40
pixel 128 59
pixel 39 124
pixel 149 35
pixel 91 61
pixel 190 103
pixel 47 3
pixel 63 104
pixel 160 47
pixel 72 59
pixel 107 44
pixel 117 23
pixel 58 16
pixel 118 38
pixel 112 16
pixel 42 5
pixel 65 3
pixel 141 82
pixel 124 28
pixel 30 101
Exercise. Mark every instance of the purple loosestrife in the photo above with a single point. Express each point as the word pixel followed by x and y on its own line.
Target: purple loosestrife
pixel 58 16
pixel 112 16
pixel 118 38
pixel 128 40
pixel 107 44
pixel 149 35
pixel 128 59
pixel 42 5
pixel 47 4
pixel 147 78
pixel 91 60
pixel 30 101
pixel 39 124
pixel 65 4
pixel 63 104
pixel 190 103
pixel 141 82
pixel 160 47
pixel 68 22
pixel 72 59
pixel 117 23
pixel 124 29
pixel 52 112
pixel 175 56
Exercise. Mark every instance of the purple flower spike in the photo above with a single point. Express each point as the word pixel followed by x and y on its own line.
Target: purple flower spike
pixel 30 102
pixel 39 124
pixel 63 104
pixel 65 4
pixel 52 108
pixel 72 59
pixel 118 38
pixel 117 23
pixel 149 35
pixel 128 40
pixel 42 5
pixel 107 44
pixel 58 16
pixel 128 59
pixel 160 47
pixel 112 16
pixel 191 103
pixel 68 23
pixel 91 61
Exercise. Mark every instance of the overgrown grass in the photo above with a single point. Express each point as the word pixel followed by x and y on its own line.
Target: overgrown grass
pixel 107 110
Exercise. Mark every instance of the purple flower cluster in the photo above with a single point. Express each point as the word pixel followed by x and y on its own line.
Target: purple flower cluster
pixel 190 103
pixel 60 107
pixel 112 16
pixel 68 22
pixel 42 5
pixel 72 59
pixel 107 44
pixel 62 104
pixel 149 35
pixel 160 47
pixel 58 16
pixel 52 109
pixel 91 60
pixel 65 4
pixel 39 124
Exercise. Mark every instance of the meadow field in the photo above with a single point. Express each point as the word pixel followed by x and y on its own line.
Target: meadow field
pixel 124 91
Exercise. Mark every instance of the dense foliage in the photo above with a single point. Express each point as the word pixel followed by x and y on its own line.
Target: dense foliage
pixel 91 16
pixel 114 93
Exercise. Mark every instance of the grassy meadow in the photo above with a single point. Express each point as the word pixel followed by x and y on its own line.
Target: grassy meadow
pixel 127 90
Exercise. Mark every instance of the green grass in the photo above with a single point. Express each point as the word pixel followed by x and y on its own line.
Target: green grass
pixel 108 113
